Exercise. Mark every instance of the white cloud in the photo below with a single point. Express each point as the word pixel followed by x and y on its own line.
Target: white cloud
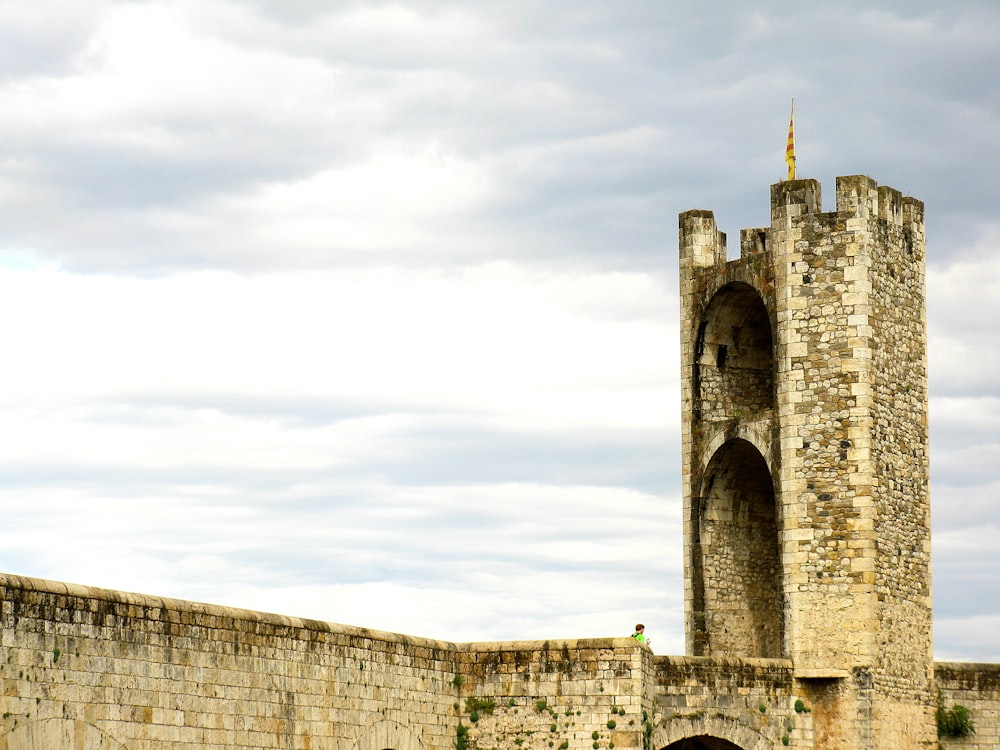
pixel 198 427
pixel 417 337
pixel 587 560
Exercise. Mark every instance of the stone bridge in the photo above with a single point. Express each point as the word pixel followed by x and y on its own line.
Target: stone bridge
pixel 87 669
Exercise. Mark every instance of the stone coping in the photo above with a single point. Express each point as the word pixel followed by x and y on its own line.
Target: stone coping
pixel 181 605
pixel 552 644
pixel 723 661
pixel 967 666
pixel 967 675
pixel 45 586
pixel 41 585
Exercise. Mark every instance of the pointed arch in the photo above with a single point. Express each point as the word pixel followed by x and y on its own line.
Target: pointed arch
pixel 736 556
pixel 734 356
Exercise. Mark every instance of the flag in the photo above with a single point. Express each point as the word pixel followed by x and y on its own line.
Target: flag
pixel 790 147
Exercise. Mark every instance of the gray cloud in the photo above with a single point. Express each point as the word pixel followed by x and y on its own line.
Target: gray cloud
pixel 594 125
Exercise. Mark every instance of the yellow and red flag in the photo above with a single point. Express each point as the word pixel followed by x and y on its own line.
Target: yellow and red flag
pixel 790 146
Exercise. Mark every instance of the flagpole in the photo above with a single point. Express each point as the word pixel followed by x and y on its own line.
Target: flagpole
pixel 790 145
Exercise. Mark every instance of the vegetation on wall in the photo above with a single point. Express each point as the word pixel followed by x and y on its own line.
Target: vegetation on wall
pixel 955 721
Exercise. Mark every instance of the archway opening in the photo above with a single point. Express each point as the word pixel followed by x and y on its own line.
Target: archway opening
pixel 734 356
pixel 703 742
pixel 738 556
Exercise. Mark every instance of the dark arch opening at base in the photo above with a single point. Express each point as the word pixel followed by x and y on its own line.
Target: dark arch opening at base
pixel 703 742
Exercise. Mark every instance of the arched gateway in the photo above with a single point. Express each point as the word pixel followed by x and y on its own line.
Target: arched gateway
pixel 736 606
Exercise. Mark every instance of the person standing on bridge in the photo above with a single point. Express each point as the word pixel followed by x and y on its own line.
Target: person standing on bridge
pixel 640 634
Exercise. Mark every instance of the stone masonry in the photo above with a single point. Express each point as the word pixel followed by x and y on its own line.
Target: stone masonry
pixel 807 561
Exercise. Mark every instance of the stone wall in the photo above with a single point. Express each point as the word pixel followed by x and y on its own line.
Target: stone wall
pixel 821 262
pixel 542 695
pixel 86 668
pixel 977 688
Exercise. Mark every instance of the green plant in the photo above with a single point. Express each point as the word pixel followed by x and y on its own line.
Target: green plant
pixel 955 721
pixel 800 707
pixel 457 681
pixel 519 741
pixel 595 735
pixel 553 727
pixel 474 717
pixel 480 705
pixel 612 724
pixel 785 739
pixel 762 708
pixel 563 745
pixel 541 705
pixel 462 737
pixel 55 656
pixel 510 703
pixel 596 745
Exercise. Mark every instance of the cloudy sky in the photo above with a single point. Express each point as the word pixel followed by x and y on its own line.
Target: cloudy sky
pixel 367 312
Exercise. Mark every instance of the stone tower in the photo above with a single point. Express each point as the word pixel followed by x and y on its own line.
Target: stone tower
pixel 805 455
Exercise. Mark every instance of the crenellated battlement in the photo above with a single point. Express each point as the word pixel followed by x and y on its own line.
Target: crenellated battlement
pixel 702 244
pixel 797 203
pixel 795 197
pixel 858 197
